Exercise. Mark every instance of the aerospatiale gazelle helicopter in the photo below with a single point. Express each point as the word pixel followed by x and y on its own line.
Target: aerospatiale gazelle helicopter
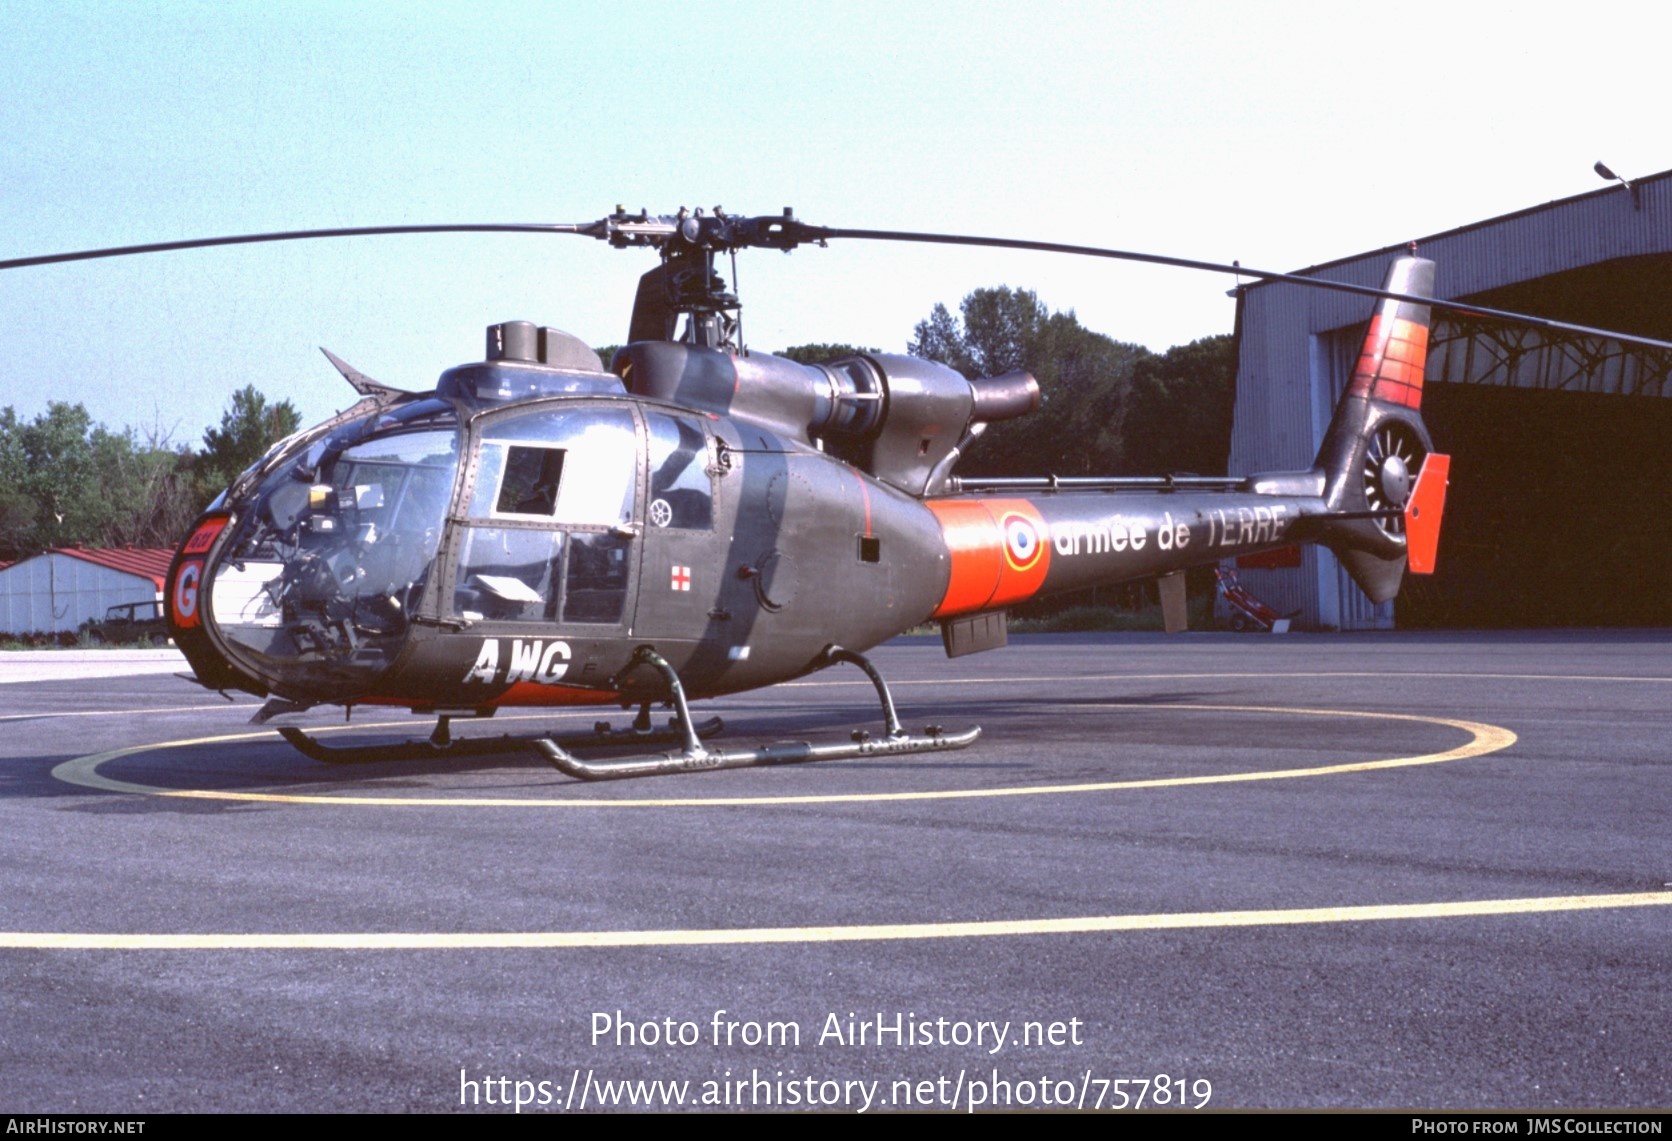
pixel 701 519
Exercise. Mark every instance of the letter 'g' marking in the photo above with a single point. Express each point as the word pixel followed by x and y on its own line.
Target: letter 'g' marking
pixel 186 588
pixel 185 593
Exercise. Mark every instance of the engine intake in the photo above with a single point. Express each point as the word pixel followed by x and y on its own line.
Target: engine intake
pixel 900 418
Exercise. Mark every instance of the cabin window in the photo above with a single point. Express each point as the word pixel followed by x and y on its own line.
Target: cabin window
pixel 571 465
pixel 548 539
pixel 529 484
pixel 681 490
pixel 595 589
pixel 510 574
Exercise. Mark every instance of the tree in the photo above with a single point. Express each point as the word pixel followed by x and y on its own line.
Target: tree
pixel 151 490
pixel 17 506
pixel 249 426
pixel 1083 378
pixel 65 480
pixel 821 353
pixel 59 497
pixel 941 338
pixel 1179 416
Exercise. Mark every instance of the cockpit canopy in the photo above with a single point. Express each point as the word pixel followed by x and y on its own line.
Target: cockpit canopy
pixel 332 549
pixel 437 510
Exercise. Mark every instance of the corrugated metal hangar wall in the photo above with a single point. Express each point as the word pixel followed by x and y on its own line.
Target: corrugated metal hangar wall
pixel 57 590
pixel 1561 485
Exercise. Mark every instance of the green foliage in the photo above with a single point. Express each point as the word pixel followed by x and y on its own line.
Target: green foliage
pixel 1179 416
pixel 821 353
pixel 941 338
pixel 1084 378
pixel 66 480
pixel 249 426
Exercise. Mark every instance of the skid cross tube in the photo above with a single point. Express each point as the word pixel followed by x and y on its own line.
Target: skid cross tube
pixel 459 748
pixel 695 757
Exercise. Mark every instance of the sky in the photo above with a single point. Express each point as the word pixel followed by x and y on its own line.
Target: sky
pixel 1280 134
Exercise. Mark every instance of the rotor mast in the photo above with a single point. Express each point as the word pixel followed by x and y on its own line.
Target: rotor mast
pixel 686 282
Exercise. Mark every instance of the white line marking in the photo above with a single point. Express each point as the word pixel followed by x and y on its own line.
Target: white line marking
pixel 1077 925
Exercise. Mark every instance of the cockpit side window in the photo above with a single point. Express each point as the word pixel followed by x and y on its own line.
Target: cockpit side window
pixel 548 538
pixel 571 465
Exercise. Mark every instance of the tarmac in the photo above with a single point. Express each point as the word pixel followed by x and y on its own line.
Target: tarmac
pixel 1400 871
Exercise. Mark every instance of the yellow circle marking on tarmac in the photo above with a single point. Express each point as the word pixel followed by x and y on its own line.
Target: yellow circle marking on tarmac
pixel 733 936
pixel 1483 739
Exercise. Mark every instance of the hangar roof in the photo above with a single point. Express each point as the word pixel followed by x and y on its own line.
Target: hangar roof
pixel 1642 194
pixel 146 562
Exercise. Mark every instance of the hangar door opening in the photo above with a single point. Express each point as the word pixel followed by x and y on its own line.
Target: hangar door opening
pixel 1559 512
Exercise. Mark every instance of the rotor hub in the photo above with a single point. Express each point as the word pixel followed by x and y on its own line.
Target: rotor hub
pixel 1395 480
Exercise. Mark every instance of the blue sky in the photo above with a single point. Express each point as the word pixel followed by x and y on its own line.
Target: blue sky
pixel 1280 134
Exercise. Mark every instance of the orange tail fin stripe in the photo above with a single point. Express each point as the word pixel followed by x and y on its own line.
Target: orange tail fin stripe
pixel 1391 363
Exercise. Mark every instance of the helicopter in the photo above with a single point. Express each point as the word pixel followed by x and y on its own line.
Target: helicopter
pixel 700 519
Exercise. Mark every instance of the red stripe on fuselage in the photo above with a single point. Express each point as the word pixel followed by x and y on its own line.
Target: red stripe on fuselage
pixel 519 693
pixel 1000 551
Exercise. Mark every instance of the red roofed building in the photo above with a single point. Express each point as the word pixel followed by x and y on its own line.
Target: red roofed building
pixel 61 588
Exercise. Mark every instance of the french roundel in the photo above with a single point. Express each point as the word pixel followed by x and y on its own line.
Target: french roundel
pixel 1022 547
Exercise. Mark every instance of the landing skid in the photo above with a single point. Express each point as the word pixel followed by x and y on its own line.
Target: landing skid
pixel 693 756
pixel 443 746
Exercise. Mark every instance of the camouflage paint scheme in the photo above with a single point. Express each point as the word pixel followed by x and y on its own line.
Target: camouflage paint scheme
pixel 831 518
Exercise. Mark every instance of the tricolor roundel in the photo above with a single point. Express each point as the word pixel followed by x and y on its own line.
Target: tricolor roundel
pixel 1022 545
pixel 1000 551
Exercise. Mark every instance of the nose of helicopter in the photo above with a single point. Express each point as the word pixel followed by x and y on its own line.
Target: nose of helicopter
pixel 312 588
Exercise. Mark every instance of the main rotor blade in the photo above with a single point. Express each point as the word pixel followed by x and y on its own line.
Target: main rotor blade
pixel 622 229
pixel 823 232
pixel 590 229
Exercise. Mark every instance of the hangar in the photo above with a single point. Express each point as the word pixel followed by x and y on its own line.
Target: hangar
pixel 1561 485
pixel 58 589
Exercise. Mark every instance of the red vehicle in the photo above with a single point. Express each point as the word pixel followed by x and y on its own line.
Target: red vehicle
pixel 1248 612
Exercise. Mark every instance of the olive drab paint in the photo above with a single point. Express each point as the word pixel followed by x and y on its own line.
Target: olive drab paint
pixel 699 520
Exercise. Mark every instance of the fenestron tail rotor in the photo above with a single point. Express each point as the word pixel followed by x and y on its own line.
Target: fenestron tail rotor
pixel 1392 460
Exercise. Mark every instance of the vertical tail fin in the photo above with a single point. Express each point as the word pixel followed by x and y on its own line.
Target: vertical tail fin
pixel 1377 445
pixel 1395 350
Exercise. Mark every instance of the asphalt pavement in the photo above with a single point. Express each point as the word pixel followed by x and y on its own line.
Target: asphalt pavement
pixel 1413 871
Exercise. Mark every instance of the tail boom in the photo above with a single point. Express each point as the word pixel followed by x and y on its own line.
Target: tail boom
pixel 1358 498
pixel 1007 550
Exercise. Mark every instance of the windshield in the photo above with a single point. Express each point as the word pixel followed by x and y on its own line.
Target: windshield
pixel 333 550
